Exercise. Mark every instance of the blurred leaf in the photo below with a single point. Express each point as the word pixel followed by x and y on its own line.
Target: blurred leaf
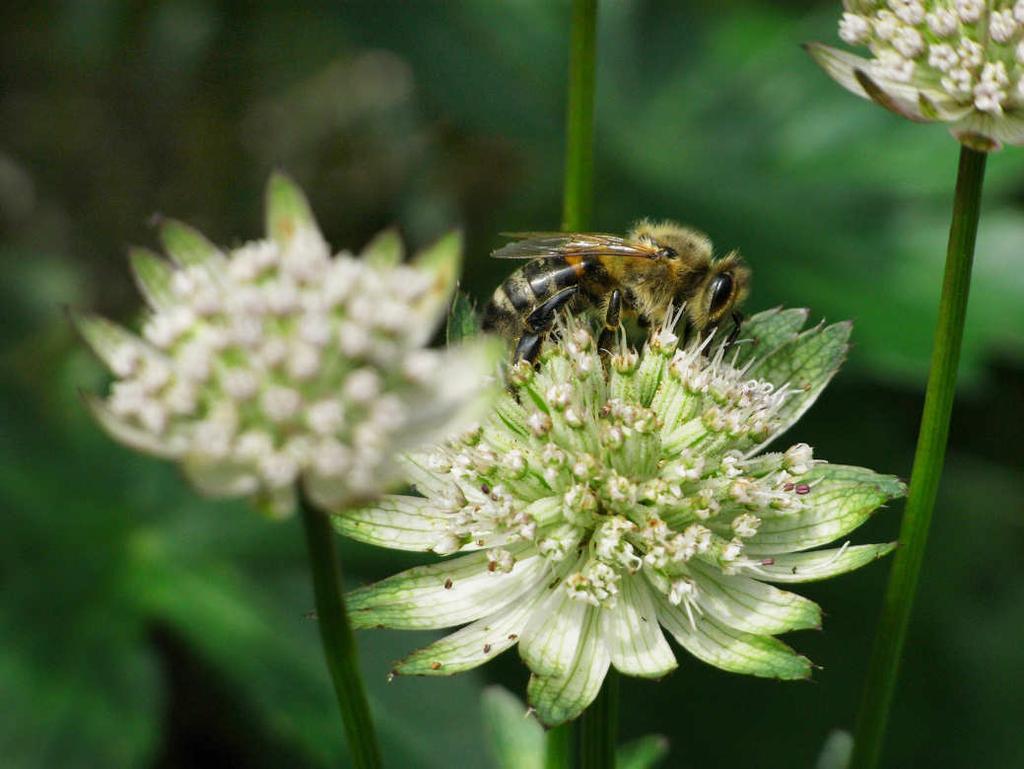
pixel 644 753
pixel 101 707
pixel 462 320
pixel 836 752
pixel 515 737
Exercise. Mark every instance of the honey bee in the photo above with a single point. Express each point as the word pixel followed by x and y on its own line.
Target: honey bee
pixel 655 267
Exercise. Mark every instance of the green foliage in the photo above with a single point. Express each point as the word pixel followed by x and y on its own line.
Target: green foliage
pixel 644 753
pixel 516 738
pixel 835 753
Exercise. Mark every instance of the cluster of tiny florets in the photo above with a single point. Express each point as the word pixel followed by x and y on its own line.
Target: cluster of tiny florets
pixel 973 50
pixel 644 468
pixel 277 361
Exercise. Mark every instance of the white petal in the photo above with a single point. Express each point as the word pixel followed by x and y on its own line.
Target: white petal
pixel 632 634
pixel 170 447
pixel 464 392
pixel 443 262
pixel 153 276
pixel 560 698
pixel 398 522
pixel 429 483
pixel 840 499
pixel 986 133
pixel 550 639
pixel 752 606
pixel 385 250
pixel 108 340
pixel 288 210
pixel 907 99
pixel 189 248
pixel 821 564
pixel 277 503
pixel 471 646
pixel 220 479
pixel 732 650
pixel 452 592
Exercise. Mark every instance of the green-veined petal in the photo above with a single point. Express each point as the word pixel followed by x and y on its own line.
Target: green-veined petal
pixel 471 646
pixel 122 431
pixel 385 250
pixel 110 341
pixel 560 698
pixel 632 634
pixel 821 564
pixel 732 650
pixel 805 365
pixel 452 592
pixel 550 640
pixel 188 247
pixel 765 332
pixel 752 606
pixel 288 210
pixel 220 479
pixel 153 276
pixel 442 262
pixel 395 521
pixel 840 498
pixel 460 394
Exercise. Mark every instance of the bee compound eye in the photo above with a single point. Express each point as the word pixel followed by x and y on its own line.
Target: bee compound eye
pixel 721 292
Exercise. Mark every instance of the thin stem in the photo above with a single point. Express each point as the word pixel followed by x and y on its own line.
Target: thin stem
pixel 928 461
pixel 579 159
pixel 558 747
pixel 578 196
pixel 599 727
pixel 338 641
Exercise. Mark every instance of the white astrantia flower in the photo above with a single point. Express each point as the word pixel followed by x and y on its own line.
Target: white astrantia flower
pixel 959 62
pixel 277 362
pixel 598 505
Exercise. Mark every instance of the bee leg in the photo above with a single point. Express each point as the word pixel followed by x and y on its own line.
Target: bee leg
pixel 737 320
pixel 612 318
pixel 528 347
pixel 538 323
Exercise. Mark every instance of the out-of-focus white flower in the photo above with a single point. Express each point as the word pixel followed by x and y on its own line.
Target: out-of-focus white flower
pixel 960 63
pixel 600 504
pixel 278 362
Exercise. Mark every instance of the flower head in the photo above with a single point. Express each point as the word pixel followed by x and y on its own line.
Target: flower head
pixel 600 504
pixel 954 61
pixel 277 362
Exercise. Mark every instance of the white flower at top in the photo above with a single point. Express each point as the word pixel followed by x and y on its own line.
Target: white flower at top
pixel 277 362
pixel 597 506
pixel 959 62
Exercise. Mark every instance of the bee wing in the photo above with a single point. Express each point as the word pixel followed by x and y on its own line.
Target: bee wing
pixel 532 245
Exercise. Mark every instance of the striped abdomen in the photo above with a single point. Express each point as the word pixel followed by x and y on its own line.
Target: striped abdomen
pixel 540 279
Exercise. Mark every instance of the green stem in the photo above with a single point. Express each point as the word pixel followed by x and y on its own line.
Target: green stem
pixel 338 641
pixel 558 747
pixel 599 727
pixel 579 158
pixel 928 461
pixel 578 196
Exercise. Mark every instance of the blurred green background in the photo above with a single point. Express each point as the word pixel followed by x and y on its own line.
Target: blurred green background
pixel 143 627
